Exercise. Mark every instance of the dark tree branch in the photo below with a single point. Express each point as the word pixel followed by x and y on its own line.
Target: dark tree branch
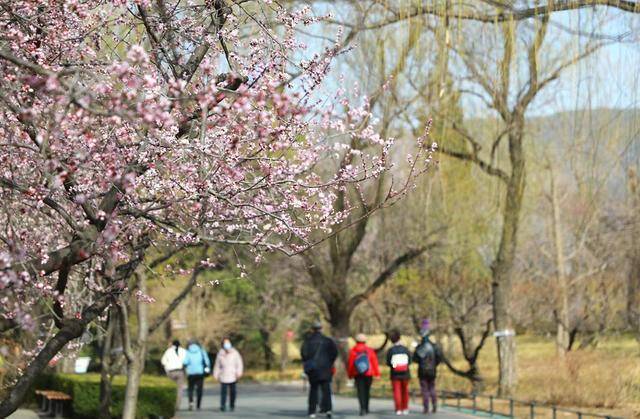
pixel 483 338
pixel 218 18
pixel 8 183
pixel 388 272
pixel 505 15
pixel 72 329
pixel 182 295
pixel 486 167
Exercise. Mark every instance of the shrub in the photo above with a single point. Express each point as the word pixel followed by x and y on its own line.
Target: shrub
pixel 156 398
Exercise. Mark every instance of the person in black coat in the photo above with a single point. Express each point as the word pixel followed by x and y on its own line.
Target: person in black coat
pixel 428 356
pixel 318 355
pixel 398 359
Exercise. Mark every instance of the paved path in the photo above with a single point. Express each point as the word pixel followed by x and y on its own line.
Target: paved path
pixel 23 414
pixel 262 401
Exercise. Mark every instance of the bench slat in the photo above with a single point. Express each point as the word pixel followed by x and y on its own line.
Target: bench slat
pixel 53 395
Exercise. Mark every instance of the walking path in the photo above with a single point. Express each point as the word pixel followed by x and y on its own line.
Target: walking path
pixel 23 414
pixel 273 401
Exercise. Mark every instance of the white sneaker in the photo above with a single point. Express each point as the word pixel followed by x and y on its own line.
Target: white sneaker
pixel 398 412
pixel 405 412
pixel 313 415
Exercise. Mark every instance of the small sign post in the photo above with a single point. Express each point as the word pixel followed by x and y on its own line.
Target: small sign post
pixel 504 333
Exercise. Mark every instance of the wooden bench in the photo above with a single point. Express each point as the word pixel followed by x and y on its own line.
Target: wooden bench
pixel 52 402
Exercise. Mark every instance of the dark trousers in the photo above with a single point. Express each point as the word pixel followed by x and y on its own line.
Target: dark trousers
pixel 363 386
pixel 232 395
pixel 323 387
pixel 428 389
pixel 196 382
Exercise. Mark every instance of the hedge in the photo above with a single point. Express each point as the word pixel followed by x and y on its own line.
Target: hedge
pixel 156 398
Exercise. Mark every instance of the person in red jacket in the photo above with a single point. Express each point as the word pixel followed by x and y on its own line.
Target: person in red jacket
pixel 363 366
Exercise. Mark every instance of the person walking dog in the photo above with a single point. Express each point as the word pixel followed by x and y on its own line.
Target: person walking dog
pixel 227 370
pixel 362 368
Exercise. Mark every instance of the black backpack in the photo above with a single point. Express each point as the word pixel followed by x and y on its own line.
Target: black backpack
pixel 428 360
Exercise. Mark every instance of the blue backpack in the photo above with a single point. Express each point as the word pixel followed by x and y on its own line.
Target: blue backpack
pixel 362 362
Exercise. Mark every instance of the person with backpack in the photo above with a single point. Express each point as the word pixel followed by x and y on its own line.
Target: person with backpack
pixel 173 363
pixel 363 367
pixel 318 354
pixel 428 356
pixel 227 370
pixel 198 366
pixel 398 359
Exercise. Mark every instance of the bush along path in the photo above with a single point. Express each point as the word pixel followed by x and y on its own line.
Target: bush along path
pixel 156 395
pixel 276 401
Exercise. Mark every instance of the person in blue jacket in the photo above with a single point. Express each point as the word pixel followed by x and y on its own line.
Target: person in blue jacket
pixel 198 366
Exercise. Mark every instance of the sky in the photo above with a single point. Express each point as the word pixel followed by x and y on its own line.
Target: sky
pixel 608 78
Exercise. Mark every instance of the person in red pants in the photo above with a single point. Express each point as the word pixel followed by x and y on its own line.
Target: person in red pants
pixel 399 358
pixel 362 368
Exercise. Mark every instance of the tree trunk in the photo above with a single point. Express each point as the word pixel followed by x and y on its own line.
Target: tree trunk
pixel 340 321
pixel 562 310
pixel 503 266
pixel 134 372
pixel 284 351
pixel 265 335
pixel 633 281
pixel 137 356
pixel 633 296
pixel 72 329
pixel 449 347
pixel 106 373
pixel 67 365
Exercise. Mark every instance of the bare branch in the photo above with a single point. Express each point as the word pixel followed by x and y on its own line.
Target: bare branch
pixel 505 14
pixel 486 167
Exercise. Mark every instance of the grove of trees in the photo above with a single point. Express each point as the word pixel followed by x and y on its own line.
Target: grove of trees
pixel 262 163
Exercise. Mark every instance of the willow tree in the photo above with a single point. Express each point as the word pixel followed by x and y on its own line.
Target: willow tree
pixel 332 268
pixel 495 56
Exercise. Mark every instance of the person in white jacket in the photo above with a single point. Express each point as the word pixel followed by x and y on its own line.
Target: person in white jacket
pixel 173 362
pixel 228 370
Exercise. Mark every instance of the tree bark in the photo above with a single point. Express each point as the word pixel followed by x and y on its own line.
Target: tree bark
pixel 562 311
pixel 106 373
pixel 503 266
pixel 134 372
pixel 633 281
pixel 340 321
pixel 284 351
pixel 72 329
pixel 137 354
pixel 265 335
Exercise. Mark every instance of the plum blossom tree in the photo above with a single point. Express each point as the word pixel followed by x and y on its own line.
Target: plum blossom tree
pixel 132 125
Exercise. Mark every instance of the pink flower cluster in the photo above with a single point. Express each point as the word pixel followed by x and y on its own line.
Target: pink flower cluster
pixel 110 137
